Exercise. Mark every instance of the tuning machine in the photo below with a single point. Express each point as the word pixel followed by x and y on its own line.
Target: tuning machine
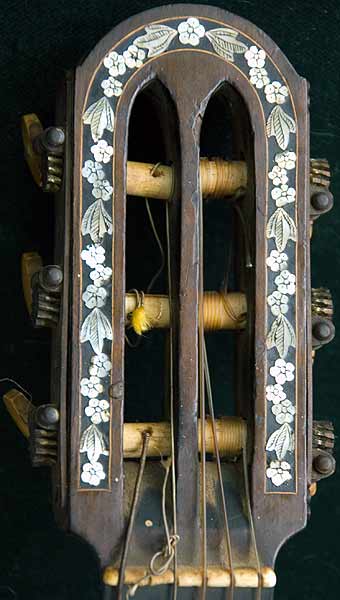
pixel 323 445
pixel 321 198
pixel 44 152
pixel 323 330
pixel 38 424
pixel 42 287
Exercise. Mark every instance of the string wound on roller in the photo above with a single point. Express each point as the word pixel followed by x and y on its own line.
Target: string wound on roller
pixel 188 458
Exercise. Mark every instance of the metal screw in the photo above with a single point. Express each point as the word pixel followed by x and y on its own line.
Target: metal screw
pixel 54 136
pixel 324 464
pixel 47 415
pixel 322 331
pixel 52 276
pixel 322 201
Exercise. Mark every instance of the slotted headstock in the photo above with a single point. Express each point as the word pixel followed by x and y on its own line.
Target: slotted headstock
pixel 184 324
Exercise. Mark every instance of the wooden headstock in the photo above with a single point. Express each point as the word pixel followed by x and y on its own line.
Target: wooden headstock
pixel 186 456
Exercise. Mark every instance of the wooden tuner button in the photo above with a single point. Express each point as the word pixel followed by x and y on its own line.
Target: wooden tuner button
pixel 20 408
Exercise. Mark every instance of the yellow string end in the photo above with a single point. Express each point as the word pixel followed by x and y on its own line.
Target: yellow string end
pixel 139 320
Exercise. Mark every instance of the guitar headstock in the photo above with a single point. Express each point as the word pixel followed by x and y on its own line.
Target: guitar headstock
pixel 184 323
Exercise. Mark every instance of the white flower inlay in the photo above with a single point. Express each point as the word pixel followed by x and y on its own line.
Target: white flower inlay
pixel 100 116
pixel 133 57
pixel 100 365
pixel 102 151
pixel 278 175
pixel 94 296
pixel 286 160
pixel 284 412
pixel 102 189
pixel 191 31
pixel 93 171
pixel 282 371
pixel 93 473
pixel 115 63
pixel 112 87
pixel 101 275
pixel 93 255
pixel 98 411
pixel 283 195
pixel 278 303
pixel 255 57
pixel 286 282
pixel 276 92
pixel 277 261
pixel 278 472
pixel 91 387
pixel 275 393
pixel 258 77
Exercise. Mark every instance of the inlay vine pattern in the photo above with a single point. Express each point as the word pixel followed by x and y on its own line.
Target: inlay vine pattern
pixel 96 328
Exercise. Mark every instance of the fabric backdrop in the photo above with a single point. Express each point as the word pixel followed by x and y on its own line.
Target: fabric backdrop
pixel 40 39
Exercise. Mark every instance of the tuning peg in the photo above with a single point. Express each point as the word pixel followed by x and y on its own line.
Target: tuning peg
pixel 43 435
pixel 44 151
pixel 322 199
pixel 46 287
pixel 323 444
pixel 42 286
pixel 38 424
pixel 323 330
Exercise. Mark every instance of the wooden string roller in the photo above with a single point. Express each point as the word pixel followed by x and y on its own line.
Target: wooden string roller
pixel 219 178
pixel 231 432
pixel 220 311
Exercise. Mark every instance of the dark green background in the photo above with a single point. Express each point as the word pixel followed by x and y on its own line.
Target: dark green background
pixel 39 41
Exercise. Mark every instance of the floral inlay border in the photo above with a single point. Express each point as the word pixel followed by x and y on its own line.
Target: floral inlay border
pixel 96 330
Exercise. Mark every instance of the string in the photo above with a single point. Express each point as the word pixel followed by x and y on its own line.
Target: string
pixel 133 512
pixel 18 386
pixel 202 406
pixel 219 471
pixel 162 265
pixel 168 552
pixel 171 398
pixel 159 243
pixel 250 517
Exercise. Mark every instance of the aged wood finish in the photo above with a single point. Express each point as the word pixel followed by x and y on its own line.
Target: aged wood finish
pixel 98 515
